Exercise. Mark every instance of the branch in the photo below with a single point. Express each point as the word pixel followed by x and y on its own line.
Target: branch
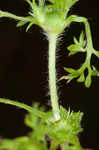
pixel 18 104
pixel 12 16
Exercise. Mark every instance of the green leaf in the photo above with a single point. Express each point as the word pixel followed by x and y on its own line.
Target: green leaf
pixel 77 46
pixel 1 14
pixel 70 3
pixel 74 48
pixel 7 144
pixel 82 41
pixel 76 41
pixel 96 53
pixel 95 72
pixel 81 78
pixel 88 81
pixel 31 120
pixel 72 74
pixel 81 38
pixel 21 23
pixel 68 78
pixel 29 25
pixel 70 70
pixel 41 2
pixel 30 3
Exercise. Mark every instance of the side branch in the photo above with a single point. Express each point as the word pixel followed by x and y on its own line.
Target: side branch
pixel 84 20
pixel 78 47
pixel 18 104
pixel 12 16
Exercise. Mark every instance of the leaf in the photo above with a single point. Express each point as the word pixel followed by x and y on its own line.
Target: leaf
pixel 70 3
pixel 76 41
pixel 77 46
pixel 96 53
pixel 21 23
pixel 74 48
pixel 88 81
pixel 29 25
pixel 95 72
pixel 82 41
pixel 81 78
pixel 72 74
pixel 41 2
pixel 1 14
pixel 30 3
pixel 81 38
pixel 7 144
pixel 68 78
pixel 31 120
pixel 70 70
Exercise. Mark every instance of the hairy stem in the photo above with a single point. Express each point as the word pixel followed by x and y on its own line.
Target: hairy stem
pixel 18 104
pixel 52 75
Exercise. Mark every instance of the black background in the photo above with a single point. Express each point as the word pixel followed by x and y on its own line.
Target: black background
pixel 24 75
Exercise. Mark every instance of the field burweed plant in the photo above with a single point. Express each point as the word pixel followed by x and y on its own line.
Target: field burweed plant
pixel 60 125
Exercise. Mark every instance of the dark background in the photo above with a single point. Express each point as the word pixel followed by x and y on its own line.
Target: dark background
pixel 24 74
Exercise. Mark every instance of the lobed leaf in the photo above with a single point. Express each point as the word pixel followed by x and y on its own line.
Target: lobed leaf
pixel 74 48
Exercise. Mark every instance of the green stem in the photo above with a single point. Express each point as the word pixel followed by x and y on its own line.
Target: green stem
pixel 74 18
pixel 18 104
pixel 52 75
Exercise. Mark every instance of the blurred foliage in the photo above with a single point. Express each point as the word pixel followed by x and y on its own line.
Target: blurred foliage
pixel 42 124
